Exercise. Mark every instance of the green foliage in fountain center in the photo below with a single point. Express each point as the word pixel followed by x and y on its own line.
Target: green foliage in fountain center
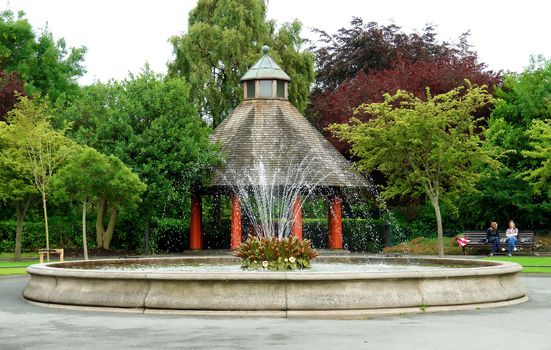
pixel 289 253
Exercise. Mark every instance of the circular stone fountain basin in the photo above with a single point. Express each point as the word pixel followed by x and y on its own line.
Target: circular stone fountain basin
pixel 350 290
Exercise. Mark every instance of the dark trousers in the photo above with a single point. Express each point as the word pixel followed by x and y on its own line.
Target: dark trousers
pixel 496 244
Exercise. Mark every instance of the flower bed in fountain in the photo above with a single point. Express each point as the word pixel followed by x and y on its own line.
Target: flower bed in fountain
pixel 288 253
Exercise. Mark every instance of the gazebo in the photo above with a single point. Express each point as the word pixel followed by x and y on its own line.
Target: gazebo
pixel 267 127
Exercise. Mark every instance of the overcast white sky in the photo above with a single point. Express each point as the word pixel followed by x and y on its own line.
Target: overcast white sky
pixel 121 35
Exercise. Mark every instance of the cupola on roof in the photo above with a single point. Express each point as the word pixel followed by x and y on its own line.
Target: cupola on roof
pixel 265 68
pixel 266 130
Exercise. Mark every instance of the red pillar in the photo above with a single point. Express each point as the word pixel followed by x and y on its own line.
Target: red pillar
pixel 296 225
pixel 335 223
pixel 196 224
pixel 235 222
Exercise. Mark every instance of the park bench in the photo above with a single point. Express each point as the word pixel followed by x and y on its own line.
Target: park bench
pixel 42 252
pixel 478 239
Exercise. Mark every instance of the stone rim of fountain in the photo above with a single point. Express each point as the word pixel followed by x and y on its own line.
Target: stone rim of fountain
pixel 281 294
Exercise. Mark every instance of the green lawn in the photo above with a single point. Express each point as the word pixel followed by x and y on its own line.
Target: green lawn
pixel 9 267
pixel 530 264
pixel 13 271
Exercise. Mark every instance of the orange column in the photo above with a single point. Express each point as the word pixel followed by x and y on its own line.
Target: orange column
pixel 196 225
pixel 296 225
pixel 335 223
pixel 235 222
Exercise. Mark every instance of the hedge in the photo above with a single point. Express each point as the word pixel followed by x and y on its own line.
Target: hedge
pixel 64 232
pixel 171 235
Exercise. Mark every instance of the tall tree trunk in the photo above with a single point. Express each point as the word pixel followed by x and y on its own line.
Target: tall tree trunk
pixel 46 225
pixel 84 242
pixel 108 235
pixel 435 203
pixel 100 227
pixel 21 209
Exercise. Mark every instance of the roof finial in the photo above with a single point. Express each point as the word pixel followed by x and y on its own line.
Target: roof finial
pixel 265 49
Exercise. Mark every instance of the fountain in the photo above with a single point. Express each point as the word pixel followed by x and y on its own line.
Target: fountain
pixel 216 286
pixel 275 160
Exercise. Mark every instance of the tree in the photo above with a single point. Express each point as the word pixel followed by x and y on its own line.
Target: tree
pixel 90 176
pixel 223 39
pixel 523 99
pixel 150 124
pixel 424 148
pixel 371 47
pixel 122 188
pixel 360 64
pixel 11 87
pixel 46 66
pixel 16 179
pixel 540 142
pixel 44 149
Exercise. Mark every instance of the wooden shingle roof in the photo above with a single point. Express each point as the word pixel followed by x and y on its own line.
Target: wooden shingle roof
pixel 274 133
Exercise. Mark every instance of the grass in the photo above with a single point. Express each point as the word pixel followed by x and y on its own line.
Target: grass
pixel 530 264
pixel 12 264
pixel 13 271
pixel 14 267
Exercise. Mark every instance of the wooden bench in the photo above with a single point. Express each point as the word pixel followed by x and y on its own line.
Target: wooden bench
pixel 42 252
pixel 478 239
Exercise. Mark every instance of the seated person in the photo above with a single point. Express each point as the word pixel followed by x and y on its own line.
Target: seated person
pixel 512 236
pixel 493 237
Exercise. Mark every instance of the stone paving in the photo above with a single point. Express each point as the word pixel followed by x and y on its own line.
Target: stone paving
pixel 25 326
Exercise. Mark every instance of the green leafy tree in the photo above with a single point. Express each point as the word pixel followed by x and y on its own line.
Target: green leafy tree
pixel 223 39
pixel 150 124
pixel 91 177
pixel 424 148
pixel 44 149
pixel 540 142
pixel 47 66
pixel 524 99
pixel 78 181
pixel 16 179
pixel 122 189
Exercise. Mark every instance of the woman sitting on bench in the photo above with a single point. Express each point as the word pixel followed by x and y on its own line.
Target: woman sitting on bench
pixel 493 237
pixel 512 235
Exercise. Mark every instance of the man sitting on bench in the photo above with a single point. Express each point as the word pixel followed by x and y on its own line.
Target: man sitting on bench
pixel 493 238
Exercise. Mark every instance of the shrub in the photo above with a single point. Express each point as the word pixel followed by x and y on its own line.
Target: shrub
pixel 425 246
pixel 275 254
pixel 169 235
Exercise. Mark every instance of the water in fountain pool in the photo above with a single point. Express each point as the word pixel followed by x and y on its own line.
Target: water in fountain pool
pixel 235 268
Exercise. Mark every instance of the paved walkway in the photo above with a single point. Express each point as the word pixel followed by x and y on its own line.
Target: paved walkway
pixel 27 326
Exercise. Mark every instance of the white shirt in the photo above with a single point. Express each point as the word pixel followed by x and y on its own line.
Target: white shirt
pixel 511 232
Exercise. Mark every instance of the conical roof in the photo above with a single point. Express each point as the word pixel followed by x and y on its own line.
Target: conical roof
pixel 265 68
pixel 272 133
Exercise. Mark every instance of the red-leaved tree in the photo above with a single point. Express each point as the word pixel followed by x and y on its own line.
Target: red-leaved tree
pixel 407 62
pixel 10 88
